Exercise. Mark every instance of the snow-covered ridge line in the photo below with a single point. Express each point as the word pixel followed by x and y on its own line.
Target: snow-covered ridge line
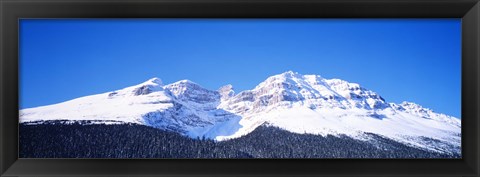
pixel 294 102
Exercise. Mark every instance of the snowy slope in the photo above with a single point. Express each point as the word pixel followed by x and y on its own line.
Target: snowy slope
pixel 294 102
pixel 312 104
pixel 183 106
pixel 120 105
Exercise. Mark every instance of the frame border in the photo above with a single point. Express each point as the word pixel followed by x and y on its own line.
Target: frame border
pixel 12 10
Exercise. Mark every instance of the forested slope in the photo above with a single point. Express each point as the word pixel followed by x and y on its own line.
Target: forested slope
pixel 59 140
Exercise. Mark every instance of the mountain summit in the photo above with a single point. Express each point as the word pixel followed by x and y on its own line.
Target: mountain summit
pixel 291 101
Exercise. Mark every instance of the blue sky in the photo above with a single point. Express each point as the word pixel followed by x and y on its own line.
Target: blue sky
pixel 416 60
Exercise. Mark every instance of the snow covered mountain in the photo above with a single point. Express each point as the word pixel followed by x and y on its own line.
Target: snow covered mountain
pixel 297 103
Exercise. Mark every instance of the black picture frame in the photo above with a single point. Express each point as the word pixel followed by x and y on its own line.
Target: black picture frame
pixel 13 10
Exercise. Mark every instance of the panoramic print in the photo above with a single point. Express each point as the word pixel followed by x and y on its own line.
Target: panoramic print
pixel 240 88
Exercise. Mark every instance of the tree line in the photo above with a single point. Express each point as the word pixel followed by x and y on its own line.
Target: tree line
pixel 77 140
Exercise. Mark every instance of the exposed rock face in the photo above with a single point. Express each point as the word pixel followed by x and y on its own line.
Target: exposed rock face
pixel 226 92
pixel 194 110
pixel 152 85
pixel 143 90
pixel 358 96
pixel 189 91
pixel 112 94
pixel 312 91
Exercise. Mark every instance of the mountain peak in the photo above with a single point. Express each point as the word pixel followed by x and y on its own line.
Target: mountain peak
pixel 290 74
pixel 153 81
pixel 186 82
pixel 280 80
pixel 187 90
pixel 226 91
pixel 227 87
pixel 147 87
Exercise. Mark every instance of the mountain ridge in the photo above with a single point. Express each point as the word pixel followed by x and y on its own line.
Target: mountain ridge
pixel 295 102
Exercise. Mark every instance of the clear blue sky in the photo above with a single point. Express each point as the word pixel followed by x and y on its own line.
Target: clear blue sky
pixel 416 60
